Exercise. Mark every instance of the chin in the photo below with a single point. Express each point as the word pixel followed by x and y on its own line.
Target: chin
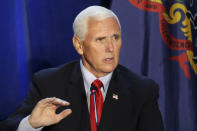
pixel 109 69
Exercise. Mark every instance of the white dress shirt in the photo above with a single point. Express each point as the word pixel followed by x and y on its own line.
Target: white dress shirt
pixel 88 78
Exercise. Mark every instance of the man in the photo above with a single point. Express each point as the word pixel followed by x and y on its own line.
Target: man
pixel 94 94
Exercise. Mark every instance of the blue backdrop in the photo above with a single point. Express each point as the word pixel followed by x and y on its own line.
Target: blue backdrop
pixel 37 34
pixel 34 34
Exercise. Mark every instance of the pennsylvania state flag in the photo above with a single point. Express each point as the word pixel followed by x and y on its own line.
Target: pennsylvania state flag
pixel 160 41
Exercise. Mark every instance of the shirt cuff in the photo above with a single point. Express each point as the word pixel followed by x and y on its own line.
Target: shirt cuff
pixel 25 126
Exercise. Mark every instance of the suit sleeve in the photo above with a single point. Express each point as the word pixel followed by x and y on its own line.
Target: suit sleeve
pixel 23 110
pixel 150 117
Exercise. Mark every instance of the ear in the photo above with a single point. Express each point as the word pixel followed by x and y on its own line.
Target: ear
pixel 78 45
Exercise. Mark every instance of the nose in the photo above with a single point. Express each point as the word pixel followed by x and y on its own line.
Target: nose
pixel 109 46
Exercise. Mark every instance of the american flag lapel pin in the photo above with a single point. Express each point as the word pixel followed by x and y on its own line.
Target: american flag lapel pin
pixel 115 96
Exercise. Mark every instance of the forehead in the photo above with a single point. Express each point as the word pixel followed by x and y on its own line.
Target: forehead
pixel 104 25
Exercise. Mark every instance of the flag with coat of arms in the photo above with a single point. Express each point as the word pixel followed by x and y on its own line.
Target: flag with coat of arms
pixel 160 41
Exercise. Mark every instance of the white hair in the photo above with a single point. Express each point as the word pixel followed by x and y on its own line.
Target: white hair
pixel 80 24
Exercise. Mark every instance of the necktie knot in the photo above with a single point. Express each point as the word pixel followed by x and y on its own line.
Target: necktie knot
pixel 97 83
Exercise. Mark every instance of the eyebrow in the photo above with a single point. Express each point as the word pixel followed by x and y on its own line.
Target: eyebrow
pixel 116 35
pixel 100 38
pixel 103 37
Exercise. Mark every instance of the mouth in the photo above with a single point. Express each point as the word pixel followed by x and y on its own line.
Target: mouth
pixel 109 60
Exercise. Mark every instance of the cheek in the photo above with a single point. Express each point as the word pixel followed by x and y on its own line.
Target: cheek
pixel 94 54
pixel 118 49
pixel 98 51
pixel 88 51
pixel 120 45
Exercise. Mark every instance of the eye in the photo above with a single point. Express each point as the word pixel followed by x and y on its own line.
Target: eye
pixel 116 37
pixel 100 39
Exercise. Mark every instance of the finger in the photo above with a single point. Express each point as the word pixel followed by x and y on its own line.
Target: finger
pixel 46 100
pixel 61 102
pixel 64 114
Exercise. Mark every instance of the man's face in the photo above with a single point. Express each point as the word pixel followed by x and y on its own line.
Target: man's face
pixel 101 47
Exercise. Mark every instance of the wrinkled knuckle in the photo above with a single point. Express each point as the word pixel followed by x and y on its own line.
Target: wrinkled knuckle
pixel 39 102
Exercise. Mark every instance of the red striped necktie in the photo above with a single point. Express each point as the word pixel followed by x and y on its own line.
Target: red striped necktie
pixel 96 95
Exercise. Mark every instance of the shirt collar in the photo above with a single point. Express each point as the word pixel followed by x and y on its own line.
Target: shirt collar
pixel 89 77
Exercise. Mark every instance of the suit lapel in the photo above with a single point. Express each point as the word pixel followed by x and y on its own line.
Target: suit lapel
pixel 76 92
pixel 116 103
pixel 108 107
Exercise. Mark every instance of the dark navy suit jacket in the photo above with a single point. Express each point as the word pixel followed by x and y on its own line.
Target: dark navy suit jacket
pixel 135 107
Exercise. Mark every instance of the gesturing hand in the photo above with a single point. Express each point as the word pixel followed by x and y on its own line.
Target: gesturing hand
pixel 44 113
